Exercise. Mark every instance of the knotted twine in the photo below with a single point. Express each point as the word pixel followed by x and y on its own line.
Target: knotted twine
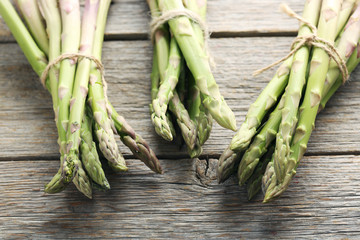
pixel 157 22
pixel 310 40
pixel 78 57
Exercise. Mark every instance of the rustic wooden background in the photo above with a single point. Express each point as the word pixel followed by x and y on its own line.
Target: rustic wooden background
pixel 185 202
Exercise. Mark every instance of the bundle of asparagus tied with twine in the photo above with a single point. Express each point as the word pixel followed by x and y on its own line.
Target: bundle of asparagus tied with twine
pixel 269 145
pixel 182 84
pixel 65 51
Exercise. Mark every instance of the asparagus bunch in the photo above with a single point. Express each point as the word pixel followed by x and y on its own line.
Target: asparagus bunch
pixel 183 87
pixel 270 148
pixel 84 117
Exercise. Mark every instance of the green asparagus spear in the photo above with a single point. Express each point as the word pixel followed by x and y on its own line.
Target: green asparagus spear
pixel 249 160
pixel 284 161
pixel 194 104
pixel 228 162
pixel 347 46
pixel 198 113
pixel 81 179
pixel 33 54
pixel 51 14
pixel 294 90
pixel 266 100
pixel 187 126
pixel 197 61
pixel 70 43
pixel 165 127
pixel 70 17
pixel 35 22
pixel 269 176
pixel 347 7
pixel 165 92
pixel 351 65
pixel 80 89
pixel 255 181
pixel 89 155
pixel 134 142
pixel 103 122
pixel 278 82
pixel 260 145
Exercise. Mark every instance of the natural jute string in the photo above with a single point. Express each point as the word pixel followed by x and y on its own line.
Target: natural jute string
pixel 77 57
pixel 157 22
pixel 311 40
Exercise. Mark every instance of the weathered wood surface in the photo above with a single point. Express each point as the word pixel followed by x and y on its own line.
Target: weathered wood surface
pixel 322 203
pixel 26 119
pixel 129 19
pixel 186 202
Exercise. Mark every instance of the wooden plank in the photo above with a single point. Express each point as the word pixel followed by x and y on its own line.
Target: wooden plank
pixel 321 203
pixel 26 118
pixel 129 19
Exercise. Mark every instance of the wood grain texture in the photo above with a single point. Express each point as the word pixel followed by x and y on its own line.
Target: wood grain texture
pixel 322 202
pixel 26 119
pixel 129 19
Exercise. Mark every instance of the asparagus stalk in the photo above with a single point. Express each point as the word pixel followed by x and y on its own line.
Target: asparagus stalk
pixel 346 45
pixel 266 100
pixel 187 126
pixel 284 163
pixel 166 89
pixel 266 135
pixel 135 143
pixel 228 162
pixel 89 155
pixel 194 104
pixel 260 145
pixel 256 149
pixel 165 127
pixel 51 14
pixel 347 7
pixel 182 86
pixel 269 96
pixel 183 93
pixel 103 123
pixel 33 54
pixel 255 181
pixel 269 179
pixel 80 89
pixel 198 113
pixel 351 65
pixel 167 94
pixel 239 142
pixel 35 22
pixel 249 160
pixel 198 64
pixel 294 90
pixel 155 77
pixel 70 17
pixel 81 180
pixel 128 136
pixel 304 129
pixel 70 13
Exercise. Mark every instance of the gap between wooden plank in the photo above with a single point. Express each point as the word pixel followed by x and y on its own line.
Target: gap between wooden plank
pixel 214 35
pixel 175 156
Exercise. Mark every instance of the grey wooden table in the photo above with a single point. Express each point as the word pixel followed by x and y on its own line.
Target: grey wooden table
pixel 185 202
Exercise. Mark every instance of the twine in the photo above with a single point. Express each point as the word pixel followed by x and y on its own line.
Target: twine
pixel 78 57
pixel 310 40
pixel 157 22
